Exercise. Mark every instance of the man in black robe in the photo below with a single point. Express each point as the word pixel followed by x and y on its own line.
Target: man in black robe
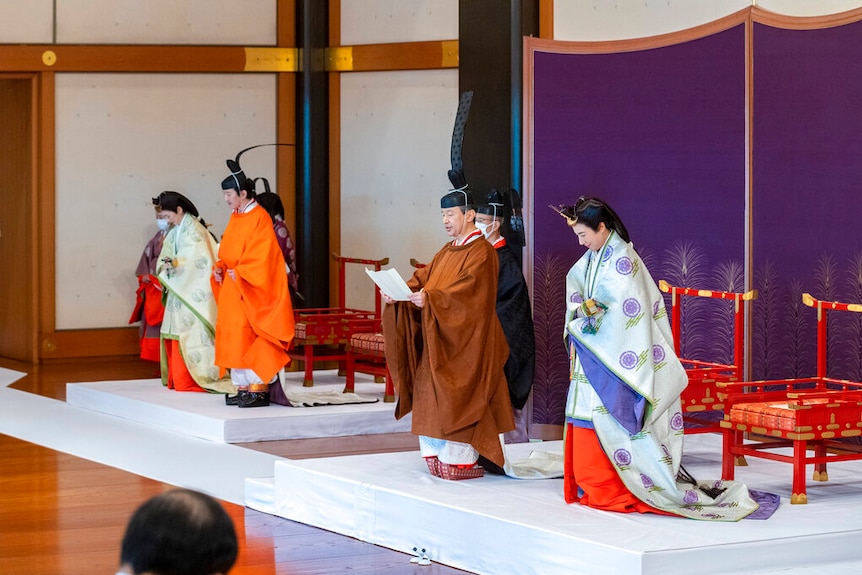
pixel 513 310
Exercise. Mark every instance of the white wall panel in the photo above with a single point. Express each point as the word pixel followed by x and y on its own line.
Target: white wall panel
pixel 250 22
pixel 121 140
pixel 26 21
pixel 396 130
pixel 808 7
pixel 386 21
pixel 595 20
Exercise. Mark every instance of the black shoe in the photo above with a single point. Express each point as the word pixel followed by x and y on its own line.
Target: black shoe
pixel 231 399
pixel 253 399
pixel 490 466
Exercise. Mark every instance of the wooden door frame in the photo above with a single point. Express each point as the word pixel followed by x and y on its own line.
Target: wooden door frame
pixel 29 285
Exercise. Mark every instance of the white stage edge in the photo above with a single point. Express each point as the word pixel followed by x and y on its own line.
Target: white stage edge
pixel 206 416
pixel 215 468
pixel 9 376
pixel 494 525
pixel 497 525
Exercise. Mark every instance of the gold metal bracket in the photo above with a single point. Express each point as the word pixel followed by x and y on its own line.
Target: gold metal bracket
pixel 450 53
pixel 271 59
pixel 339 59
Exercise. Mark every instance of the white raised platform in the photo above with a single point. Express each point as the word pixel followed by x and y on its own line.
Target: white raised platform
pixel 206 416
pixel 9 376
pixel 496 525
pixel 219 469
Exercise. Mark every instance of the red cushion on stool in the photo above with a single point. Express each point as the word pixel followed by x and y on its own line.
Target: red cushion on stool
pixel 814 415
pixel 367 343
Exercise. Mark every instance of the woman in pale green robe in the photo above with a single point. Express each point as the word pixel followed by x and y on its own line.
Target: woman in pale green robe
pixel 624 428
pixel 188 328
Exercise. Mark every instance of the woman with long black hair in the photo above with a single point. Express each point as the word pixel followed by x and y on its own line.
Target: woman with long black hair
pixel 624 428
pixel 188 327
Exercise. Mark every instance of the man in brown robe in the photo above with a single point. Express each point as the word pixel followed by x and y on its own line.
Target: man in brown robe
pixel 446 350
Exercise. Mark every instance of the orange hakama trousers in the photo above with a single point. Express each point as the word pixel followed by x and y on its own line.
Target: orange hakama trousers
pixel 587 466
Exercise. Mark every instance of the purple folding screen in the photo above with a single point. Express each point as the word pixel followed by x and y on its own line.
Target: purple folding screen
pixel 662 135
pixel 807 208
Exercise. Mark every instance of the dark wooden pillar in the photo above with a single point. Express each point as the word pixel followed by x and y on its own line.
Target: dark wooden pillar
pixel 490 42
pixel 312 149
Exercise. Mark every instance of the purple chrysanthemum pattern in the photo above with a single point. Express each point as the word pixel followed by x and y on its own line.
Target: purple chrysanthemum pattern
pixel 628 359
pixel 625 266
pixel 622 457
pixel 631 307
pixel 609 252
pixel 647 482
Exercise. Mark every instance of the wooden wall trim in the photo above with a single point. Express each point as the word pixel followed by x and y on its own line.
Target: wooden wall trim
pixel 89 343
pixel 46 201
pixel 18 220
pixel 35 215
pixel 334 181
pixel 334 152
pixel 100 58
pixel 431 55
pixel 286 117
pixel 404 56
pixel 129 58
pixel 334 22
pixel 286 156
pixel 546 19
pixel 286 24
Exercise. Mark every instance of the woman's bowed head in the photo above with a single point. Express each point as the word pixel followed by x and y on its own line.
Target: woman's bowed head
pixel 592 220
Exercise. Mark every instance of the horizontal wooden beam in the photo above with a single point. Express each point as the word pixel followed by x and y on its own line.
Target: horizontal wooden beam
pixel 122 58
pixel 99 58
pixel 397 56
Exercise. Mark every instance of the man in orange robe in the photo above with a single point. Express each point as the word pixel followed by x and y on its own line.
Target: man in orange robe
pixel 255 323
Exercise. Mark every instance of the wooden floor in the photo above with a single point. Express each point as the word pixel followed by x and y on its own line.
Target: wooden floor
pixel 62 515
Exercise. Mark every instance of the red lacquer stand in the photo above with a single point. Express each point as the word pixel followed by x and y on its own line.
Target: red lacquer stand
pixel 805 414
pixel 701 394
pixel 322 334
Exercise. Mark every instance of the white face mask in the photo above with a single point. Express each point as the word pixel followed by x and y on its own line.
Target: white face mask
pixel 162 223
pixel 484 228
